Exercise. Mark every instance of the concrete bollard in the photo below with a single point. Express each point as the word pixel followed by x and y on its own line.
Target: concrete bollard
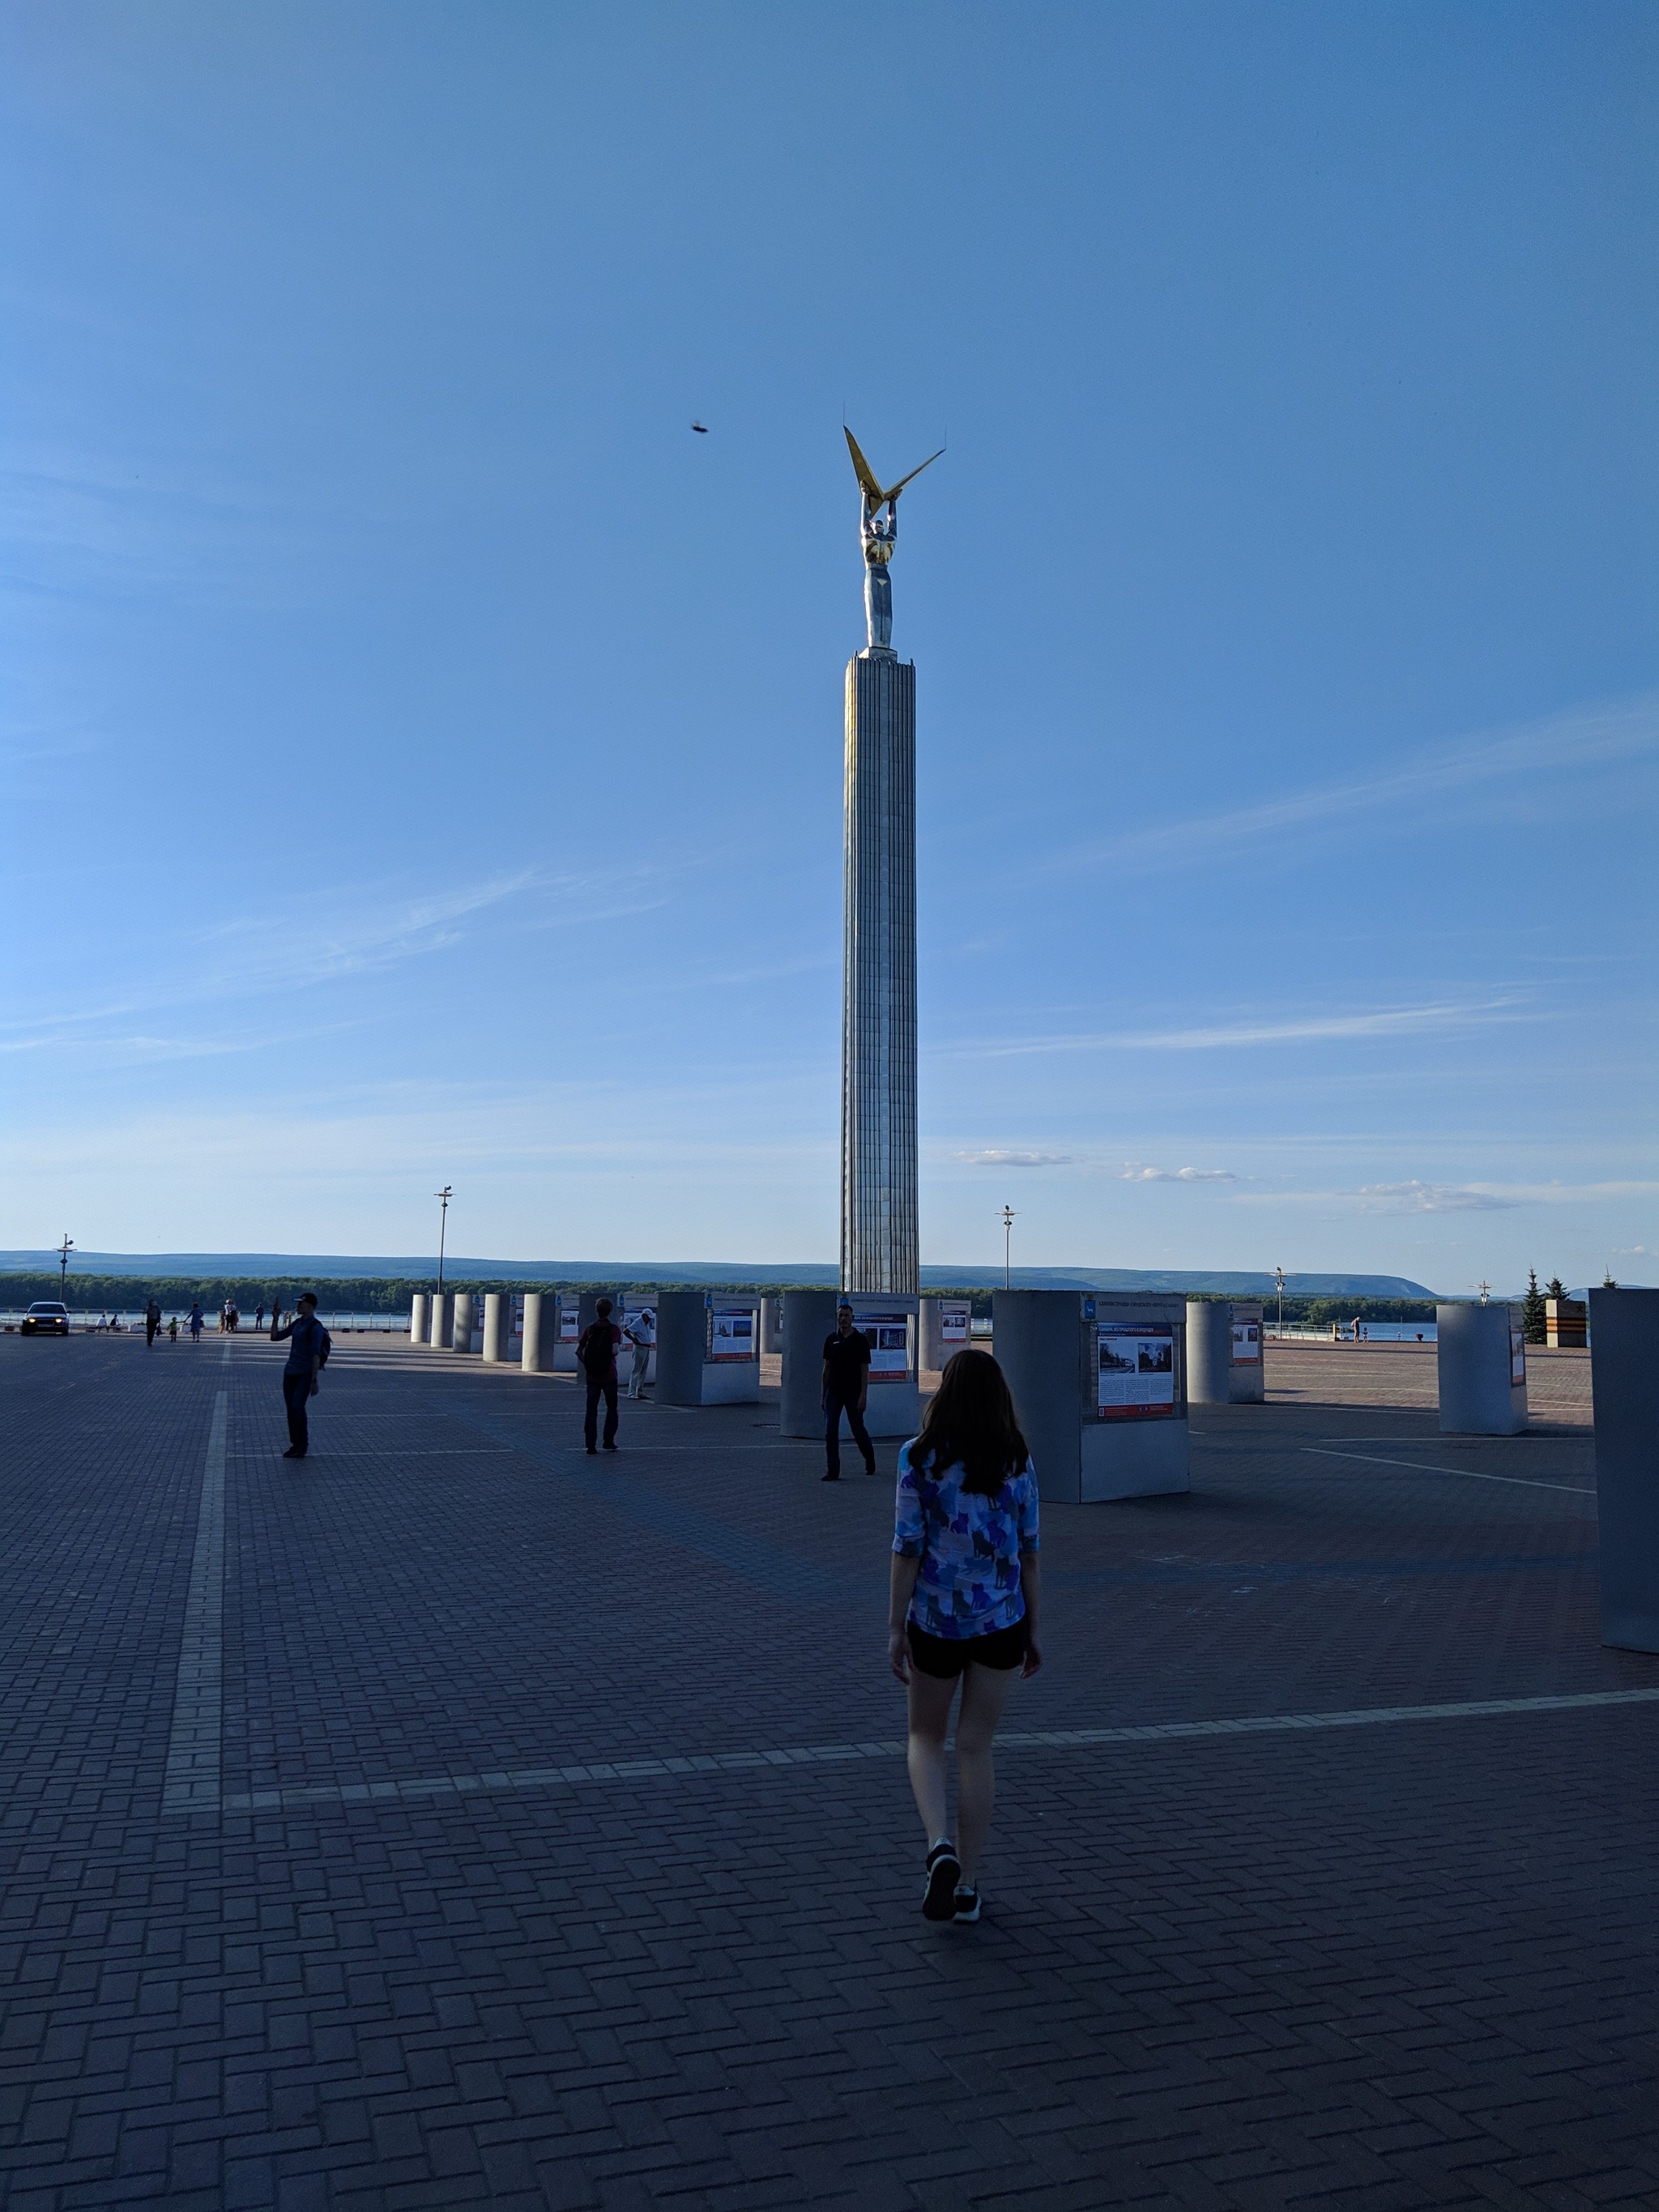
pixel 419 1321
pixel 439 1321
pixel 808 1317
pixel 1209 1351
pixel 460 1324
pixel 497 1326
pixel 1624 1335
pixel 1480 1353
pixel 1099 1384
pixel 541 1332
pixel 771 1325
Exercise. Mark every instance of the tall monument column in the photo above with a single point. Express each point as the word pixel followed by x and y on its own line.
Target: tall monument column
pixel 880 1246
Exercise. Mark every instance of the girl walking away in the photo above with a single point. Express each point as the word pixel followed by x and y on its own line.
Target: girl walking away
pixel 966 1592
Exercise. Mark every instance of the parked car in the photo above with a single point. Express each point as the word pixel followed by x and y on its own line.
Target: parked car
pixel 45 1317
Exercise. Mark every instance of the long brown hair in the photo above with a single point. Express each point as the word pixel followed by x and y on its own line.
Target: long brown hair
pixel 971 1424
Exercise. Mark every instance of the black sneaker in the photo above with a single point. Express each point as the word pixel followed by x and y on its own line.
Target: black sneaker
pixel 294 1452
pixel 938 1899
pixel 612 1447
pixel 828 1478
pixel 967 1902
pixel 870 1467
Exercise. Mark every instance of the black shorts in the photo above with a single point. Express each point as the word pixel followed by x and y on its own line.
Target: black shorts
pixel 944 1656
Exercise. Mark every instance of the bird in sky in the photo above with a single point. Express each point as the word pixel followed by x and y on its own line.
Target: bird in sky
pixel 701 429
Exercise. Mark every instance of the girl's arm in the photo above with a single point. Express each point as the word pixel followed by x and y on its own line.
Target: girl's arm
pixel 900 1590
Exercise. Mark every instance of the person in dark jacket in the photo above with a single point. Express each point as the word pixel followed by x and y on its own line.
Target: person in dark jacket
pixel 846 1390
pixel 596 1355
pixel 308 1347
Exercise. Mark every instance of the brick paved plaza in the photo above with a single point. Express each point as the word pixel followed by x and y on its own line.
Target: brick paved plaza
pixel 454 1819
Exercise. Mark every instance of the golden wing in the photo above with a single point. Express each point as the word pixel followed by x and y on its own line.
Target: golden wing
pixel 915 472
pixel 867 475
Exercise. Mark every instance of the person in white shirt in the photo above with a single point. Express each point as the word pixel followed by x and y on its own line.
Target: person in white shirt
pixel 641 1333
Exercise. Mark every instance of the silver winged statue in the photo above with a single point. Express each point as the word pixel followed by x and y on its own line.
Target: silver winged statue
pixel 878 532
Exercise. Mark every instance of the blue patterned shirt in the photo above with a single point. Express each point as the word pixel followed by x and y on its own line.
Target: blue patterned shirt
pixel 970 1547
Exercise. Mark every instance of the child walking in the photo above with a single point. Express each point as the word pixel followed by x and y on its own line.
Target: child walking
pixel 966 1592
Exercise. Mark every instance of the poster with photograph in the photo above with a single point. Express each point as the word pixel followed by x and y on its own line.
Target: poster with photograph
pixel 1247 1343
pixel 1518 1357
pixel 956 1321
pixel 570 1320
pixel 731 1332
pixel 1136 1364
pixel 889 1333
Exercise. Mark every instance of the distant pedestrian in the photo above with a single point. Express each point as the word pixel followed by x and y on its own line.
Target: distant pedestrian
pixel 152 1321
pixel 260 1318
pixel 308 1347
pixel 846 1390
pixel 196 1324
pixel 173 1328
pixel 232 1317
pixel 641 1333
pixel 596 1355
pixel 963 1609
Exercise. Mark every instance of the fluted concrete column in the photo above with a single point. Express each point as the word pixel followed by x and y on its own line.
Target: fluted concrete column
pixel 541 1332
pixel 497 1326
pixel 771 1325
pixel 1624 1332
pixel 460 1326
pixel 419 1319
pixel 1209 1351
pixel 808 1317
pixel 1480 1356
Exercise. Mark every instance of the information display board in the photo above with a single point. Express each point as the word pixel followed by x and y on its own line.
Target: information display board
pixel 1135 1377
pixel 570 1320
pixel 731 1333
pixel 1517 1354
pixel 888 1329
pixel 956 1321
pixel 1247 1343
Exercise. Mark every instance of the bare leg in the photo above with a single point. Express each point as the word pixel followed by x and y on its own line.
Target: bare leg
pixel 930 1717
pixel 984 1692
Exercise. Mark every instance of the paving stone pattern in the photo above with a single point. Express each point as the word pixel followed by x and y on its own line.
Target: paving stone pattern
pixel 1406 1963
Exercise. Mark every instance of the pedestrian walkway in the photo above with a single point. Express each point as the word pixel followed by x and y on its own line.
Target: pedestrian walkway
pixel 451 1818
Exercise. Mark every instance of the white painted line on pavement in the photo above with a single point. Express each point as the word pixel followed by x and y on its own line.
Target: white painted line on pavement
pixel 835 1755
pixel 1470 1474
pixel 193 1746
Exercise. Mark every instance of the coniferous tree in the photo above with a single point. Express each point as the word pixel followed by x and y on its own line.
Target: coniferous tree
pixel 1532 1309
pixel 1555 1288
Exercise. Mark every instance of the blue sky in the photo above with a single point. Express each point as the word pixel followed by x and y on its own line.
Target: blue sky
pixel 423 752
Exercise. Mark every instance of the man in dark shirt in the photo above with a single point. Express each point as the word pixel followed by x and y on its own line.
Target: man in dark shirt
pixel 846 1389
pixel 307 1355
pixel 596 1355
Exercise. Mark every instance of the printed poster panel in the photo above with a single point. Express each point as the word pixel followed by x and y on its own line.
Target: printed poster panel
pixel 888 1333
pixel 1517 1356
pixel 1136 1370
pixel 731 1332
pixel 570 1320
pixel 954 1321
pixel 1247 1343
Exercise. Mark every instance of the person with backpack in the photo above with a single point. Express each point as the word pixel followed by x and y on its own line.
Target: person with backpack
pixel 596 1355
pixel 152 1321
pixel 308 1347
pixel 963 1609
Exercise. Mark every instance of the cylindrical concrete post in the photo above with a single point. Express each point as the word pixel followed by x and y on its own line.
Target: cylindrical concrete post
pixel 498 1325
pixel 808 1317
pixel 930 1352
pixel 1624 1332
pixel 682 1342
pixel 1249 1386
pixel 438 1326
pixel 461 1339
pixel 541 1332
pixel 771 1325
pixel 1209 1351
pixel 418 1321
pixel 1481 1354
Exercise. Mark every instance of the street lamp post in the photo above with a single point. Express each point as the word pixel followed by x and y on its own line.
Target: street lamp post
pixel 1007 1247
pixel 64 1251
pixel 1278 1276
pixel 443 1198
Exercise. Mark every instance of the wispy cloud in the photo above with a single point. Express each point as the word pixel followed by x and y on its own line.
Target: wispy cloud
pixel 1442 1015
pixel 1586 737
pixel 998 1158
pixel 1134 1171
pixel 1430 1198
